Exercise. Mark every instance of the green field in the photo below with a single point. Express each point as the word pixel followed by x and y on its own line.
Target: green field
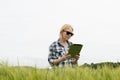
pixel 66 73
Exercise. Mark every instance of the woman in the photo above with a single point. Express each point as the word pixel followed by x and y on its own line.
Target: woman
pixel 58 50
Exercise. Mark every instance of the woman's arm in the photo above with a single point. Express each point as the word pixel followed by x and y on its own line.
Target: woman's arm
pixel 63 58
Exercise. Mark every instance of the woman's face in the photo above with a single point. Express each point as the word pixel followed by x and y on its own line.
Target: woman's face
pixel 66 34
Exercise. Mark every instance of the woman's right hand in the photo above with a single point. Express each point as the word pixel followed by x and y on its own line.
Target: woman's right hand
pixel 65 57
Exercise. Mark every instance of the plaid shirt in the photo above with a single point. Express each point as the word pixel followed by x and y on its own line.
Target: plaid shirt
pixel 56 51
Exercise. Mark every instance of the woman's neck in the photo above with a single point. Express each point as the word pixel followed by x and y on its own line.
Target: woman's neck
pixel 63 42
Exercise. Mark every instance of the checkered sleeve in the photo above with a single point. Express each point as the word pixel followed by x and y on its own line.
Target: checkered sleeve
pixel 52 54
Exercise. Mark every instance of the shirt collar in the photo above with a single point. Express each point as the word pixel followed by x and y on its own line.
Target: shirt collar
pixel 69 43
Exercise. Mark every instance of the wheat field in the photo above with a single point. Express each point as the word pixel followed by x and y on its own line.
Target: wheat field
pixel 65 73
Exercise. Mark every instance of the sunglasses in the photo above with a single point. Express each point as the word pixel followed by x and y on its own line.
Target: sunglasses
pixel 69 33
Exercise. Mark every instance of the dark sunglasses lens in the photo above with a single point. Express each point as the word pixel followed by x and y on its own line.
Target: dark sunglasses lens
pixel 69 33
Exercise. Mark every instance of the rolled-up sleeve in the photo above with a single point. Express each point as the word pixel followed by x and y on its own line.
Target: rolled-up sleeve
pixel 52 54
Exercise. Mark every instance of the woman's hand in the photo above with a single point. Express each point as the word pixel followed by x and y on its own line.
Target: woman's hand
pixel 76 58
pixel 65 57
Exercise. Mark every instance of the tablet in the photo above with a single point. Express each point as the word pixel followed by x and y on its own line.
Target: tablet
pixel 75 49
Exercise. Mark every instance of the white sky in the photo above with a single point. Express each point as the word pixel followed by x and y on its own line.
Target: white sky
pixel 28 27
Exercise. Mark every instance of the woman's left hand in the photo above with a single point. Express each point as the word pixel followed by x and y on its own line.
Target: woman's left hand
pixel 77 56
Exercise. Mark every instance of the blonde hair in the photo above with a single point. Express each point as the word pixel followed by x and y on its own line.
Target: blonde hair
pixel 64 27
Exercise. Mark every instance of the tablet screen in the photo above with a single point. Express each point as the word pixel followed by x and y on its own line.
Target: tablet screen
pixel 75 49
